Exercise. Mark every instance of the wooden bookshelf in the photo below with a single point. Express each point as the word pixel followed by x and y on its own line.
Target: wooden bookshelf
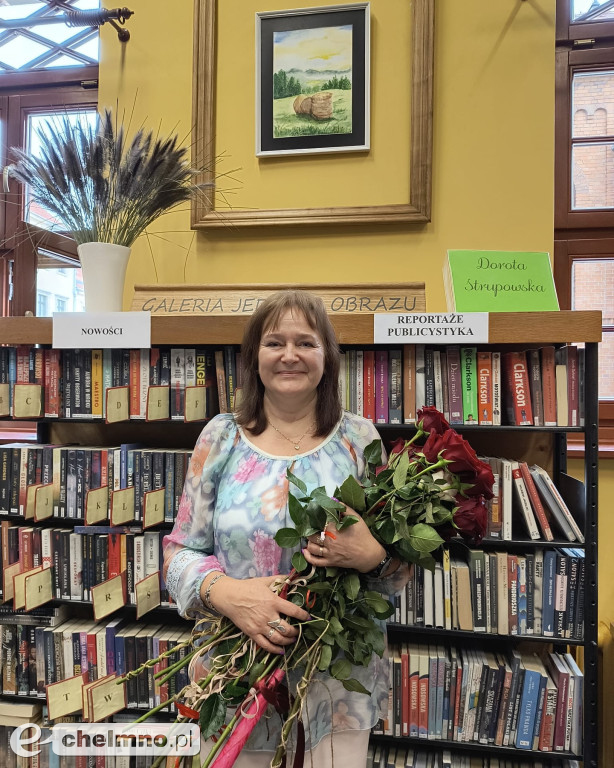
pixel 504 328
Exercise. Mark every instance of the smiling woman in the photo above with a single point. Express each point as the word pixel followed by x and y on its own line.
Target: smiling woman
pixel 222 554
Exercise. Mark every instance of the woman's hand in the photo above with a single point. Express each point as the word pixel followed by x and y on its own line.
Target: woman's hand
pixel 254 608
pixel 353 547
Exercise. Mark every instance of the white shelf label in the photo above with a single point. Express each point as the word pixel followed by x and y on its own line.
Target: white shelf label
pixel 431 328
pixel 101 330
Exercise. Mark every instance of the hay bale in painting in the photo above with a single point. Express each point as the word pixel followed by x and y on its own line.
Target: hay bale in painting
pixel 318 105
pixel 322 105
pixel 302 104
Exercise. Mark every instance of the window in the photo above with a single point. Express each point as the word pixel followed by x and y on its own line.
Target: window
pixel 42 44
pixel 32 243
pixel 61 304
pixel 42 304
pixel 584 176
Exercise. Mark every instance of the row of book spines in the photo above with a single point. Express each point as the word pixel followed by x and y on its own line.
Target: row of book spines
pixel 73 471
pixel 518 700
pixel 82 558
pixel 539 387
pixel 35 657
pixel 469 385
pixel 388 756
pixel 74 382
pixel 537 594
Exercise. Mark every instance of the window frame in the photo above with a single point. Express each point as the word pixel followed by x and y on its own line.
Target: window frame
pixel 22 95
pixel 580 47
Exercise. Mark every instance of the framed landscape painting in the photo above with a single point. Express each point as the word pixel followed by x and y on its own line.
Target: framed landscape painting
pixel 312 80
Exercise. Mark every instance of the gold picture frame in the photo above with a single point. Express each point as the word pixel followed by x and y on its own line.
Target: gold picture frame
pixel 416 210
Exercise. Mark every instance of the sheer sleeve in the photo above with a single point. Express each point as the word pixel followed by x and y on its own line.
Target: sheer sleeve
pixel 189 548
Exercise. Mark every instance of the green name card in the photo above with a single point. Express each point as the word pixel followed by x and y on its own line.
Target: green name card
pixel 499 281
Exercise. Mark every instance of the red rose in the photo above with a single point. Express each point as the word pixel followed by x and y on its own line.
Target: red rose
pixel 471 517
pixel 483 481
pixel 397 447
pixel 458 451
pixel 433 446
pixel 432 420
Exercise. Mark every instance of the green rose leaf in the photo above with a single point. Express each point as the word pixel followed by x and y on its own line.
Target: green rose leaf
pixel 287 538
pixel 354 685
pixel 423 538
pixel 325 501
pixel 325 658
pixel 375 601
pixel 399 479
pixel 352 494
pixel 373 453
pixel 212 714
pixel 341 669
pixel 295 508
pixel 351 584
pixel 296 481
pixel 298 562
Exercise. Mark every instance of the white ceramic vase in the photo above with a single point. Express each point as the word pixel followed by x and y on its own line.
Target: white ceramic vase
pixel 104 271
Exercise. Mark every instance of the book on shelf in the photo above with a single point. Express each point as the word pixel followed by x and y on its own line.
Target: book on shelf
pixel 522 501
pixel 516 390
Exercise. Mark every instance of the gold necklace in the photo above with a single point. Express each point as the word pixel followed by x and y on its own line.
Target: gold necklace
pixel 296 442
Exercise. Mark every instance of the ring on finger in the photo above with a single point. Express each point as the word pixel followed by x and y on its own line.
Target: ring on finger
pixel 321 551
pixel 270 633
pixel 278 625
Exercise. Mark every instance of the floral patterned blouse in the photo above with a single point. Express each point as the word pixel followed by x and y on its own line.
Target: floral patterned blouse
pixel 234 500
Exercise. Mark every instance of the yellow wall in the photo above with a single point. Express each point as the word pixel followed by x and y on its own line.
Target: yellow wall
pixel 493 145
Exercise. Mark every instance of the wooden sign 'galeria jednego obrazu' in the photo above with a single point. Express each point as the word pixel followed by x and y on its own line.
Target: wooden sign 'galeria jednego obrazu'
pixel 205 300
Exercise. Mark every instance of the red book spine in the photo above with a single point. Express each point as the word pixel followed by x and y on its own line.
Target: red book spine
pixel 485 387
pixel 423 702
pixel 548 386
pixel 104 467
pixel 518 394
pixel 26 549
pixel 546 731
pixel 114 555
pixel 369 384
pixel 572 386
pixel 505 695
pixel 154 366
pixel 457 701
pixel 92 658
pixel 560 722
pixel 39 365
pixel 135 383
pixel 54 382
pixel 538 507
